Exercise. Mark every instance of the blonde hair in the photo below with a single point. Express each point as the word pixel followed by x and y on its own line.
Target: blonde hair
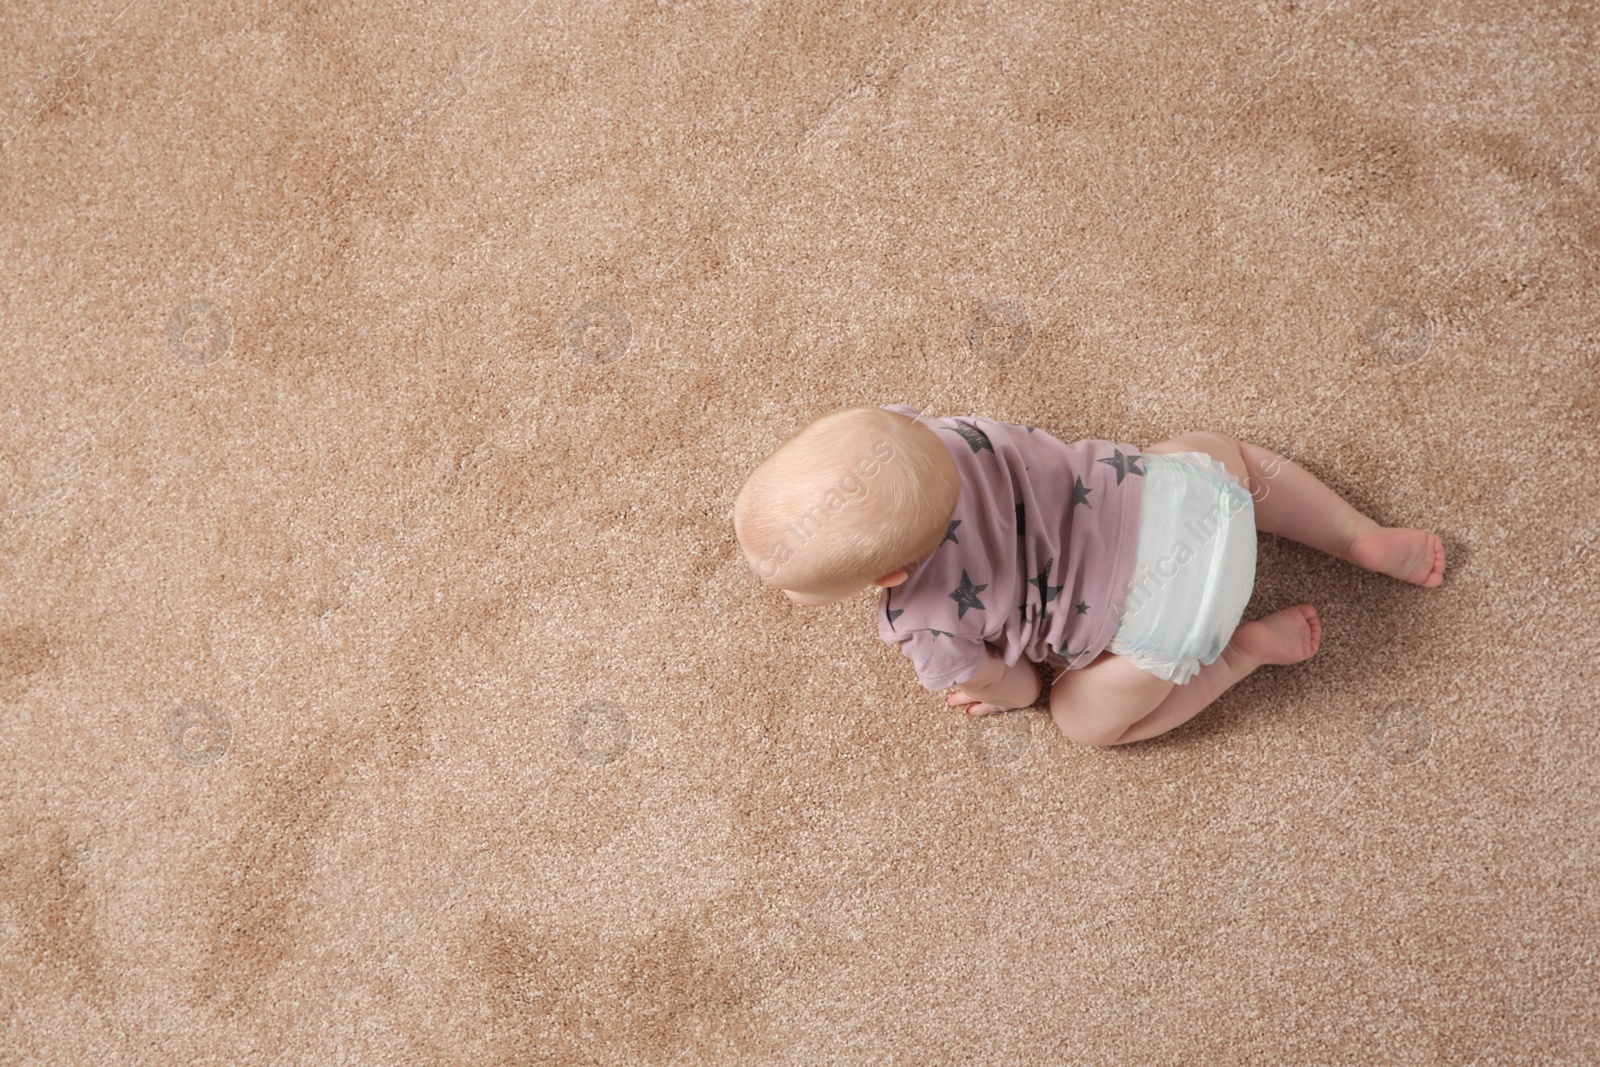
pixel 853 496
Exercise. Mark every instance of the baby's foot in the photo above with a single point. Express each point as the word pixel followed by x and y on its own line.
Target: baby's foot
pixel 1414 556
pixel 1286 636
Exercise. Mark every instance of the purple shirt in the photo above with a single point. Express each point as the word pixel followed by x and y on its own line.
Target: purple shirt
pixel 1037 559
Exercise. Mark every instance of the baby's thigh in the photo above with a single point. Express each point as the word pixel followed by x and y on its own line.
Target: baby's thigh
pixel 1095 705
pixel 1219 446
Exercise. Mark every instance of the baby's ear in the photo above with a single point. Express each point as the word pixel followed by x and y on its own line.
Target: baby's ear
pixel 892 579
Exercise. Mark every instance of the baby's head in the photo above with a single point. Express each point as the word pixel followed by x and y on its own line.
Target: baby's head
pixel 856 499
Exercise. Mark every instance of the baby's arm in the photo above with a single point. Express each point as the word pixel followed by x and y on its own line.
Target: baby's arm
pixel 997 687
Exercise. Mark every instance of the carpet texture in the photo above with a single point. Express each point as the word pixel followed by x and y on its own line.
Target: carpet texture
pixel 381 682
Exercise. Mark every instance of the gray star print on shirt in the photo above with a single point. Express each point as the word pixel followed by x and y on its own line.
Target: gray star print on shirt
pixel 1068 654
pixel 1047 592
pixel 1123 465
pixel 966 595
pixel 976 438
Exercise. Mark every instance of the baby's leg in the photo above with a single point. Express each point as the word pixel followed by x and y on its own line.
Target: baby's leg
pixel 1292 503
pixel 1113 701
pixel 1095 705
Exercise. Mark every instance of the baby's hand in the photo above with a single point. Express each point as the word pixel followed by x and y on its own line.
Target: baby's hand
pixel 979 708
pixel 1018 687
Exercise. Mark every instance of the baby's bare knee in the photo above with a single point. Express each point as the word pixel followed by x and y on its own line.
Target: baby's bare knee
pixel 1084 731
pixel 1095 705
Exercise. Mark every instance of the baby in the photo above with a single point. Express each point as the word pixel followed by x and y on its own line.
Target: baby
pixel 997 547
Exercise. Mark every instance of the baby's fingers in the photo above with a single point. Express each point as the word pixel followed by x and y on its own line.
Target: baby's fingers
pixel 978 708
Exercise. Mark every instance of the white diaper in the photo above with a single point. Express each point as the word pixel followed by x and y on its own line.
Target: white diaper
pixel 1194 569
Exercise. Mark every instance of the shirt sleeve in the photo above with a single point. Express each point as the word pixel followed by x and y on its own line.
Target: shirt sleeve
pixel 942 660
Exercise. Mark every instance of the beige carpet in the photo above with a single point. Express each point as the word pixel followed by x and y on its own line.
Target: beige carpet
pixel 381 682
